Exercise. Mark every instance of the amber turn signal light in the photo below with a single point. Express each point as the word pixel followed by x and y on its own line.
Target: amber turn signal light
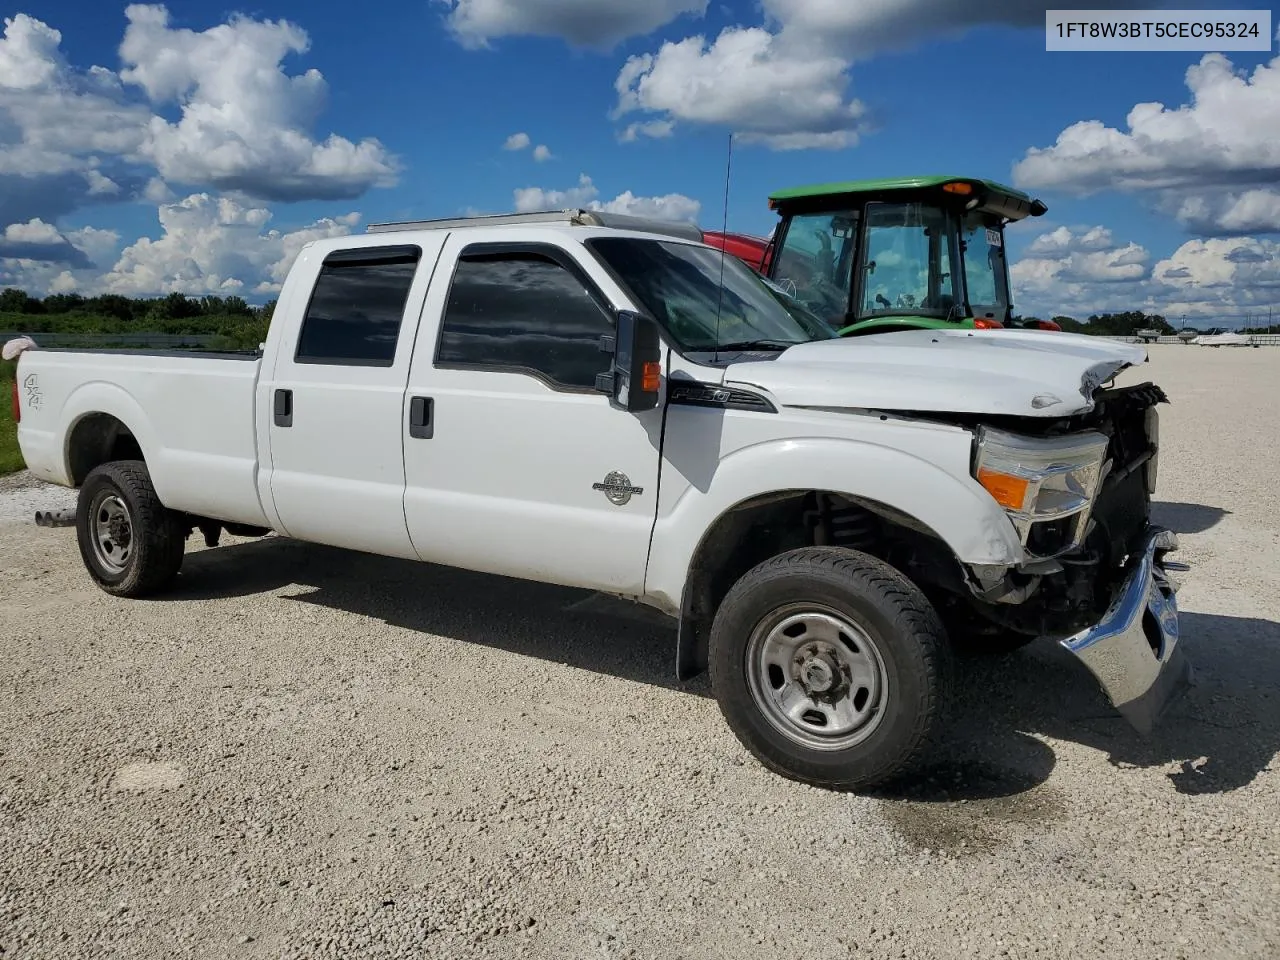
pixel 651 377
pixel 1009 491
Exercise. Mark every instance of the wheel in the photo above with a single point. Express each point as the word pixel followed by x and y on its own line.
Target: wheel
pixel 830 667
pixel 131 544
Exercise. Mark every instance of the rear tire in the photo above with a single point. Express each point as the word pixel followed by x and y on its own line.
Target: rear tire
pixel 830 667
pixel 131 544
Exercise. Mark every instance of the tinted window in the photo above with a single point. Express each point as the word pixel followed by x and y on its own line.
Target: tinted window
pixel 703 298
pixel 357 305
pixel 525 312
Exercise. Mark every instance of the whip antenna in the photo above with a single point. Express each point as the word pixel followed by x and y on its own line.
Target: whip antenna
pixel 724 242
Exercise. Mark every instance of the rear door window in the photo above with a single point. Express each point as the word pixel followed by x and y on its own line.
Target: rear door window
pixel 357 307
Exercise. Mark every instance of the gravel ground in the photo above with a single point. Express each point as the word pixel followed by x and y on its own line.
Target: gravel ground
pixel 310 753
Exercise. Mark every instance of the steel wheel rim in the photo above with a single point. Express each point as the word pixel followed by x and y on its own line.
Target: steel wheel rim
pixel 816 676
pixel 112 532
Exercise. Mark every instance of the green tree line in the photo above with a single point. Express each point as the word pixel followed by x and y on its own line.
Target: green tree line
pixel 234 322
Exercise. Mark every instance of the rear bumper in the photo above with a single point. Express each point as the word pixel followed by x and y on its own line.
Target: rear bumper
pixel 1134 651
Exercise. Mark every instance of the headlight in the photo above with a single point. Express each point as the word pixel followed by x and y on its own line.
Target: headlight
pixel 1043 479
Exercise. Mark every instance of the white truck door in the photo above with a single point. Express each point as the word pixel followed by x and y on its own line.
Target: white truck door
pixel 337 393
pixel 514 463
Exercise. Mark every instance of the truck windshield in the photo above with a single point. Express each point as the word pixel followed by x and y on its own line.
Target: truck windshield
pixel 986 274
pixel 907 264
pixel 680 285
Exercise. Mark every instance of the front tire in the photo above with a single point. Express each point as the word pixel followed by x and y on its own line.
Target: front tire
pixel 830 667
pixel 131 544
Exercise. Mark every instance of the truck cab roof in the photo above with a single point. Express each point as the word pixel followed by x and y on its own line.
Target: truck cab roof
pixel 571 217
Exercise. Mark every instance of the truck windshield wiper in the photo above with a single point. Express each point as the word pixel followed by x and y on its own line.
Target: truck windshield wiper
pixel 757 345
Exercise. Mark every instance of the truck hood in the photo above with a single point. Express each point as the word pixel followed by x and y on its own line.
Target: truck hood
pixel 1006 372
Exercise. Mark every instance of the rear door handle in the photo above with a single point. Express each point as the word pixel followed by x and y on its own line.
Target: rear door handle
pixel 284 408
pixel 422 418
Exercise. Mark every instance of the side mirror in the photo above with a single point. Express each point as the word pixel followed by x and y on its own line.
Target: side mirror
pixel 636 378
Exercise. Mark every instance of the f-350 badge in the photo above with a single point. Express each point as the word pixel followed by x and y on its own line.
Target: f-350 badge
pixel 618 489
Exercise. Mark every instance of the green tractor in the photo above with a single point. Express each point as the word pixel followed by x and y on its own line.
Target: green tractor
pixel 873 256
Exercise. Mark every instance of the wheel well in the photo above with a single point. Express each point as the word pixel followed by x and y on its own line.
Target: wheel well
pixel 765 526
pixel 97 439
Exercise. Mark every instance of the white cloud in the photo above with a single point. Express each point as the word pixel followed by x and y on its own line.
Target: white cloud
pixel 35 231
pixel 748 81
pixel 226 115
pixel 37 242
pixel 157 191
pixel 785 82
pixel 100 185
pixel 29 57
pixel 585 195
pixel 58 116
pixel 214 245
pixel 586 23
pixel 98 245
pixel 653 129
pixel 1212 162
pixel 531 199
pixel 1063 241
pixel 517 141
pixel 541 153
pixel 244 122
pixel 55 124
pixel 1225 212
pixel 39 258
pixel 1079 272
pixel 863 28
pixel 669 206
pixel 1201 275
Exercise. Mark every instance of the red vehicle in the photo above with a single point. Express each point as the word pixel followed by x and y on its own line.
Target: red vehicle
pixel 755 252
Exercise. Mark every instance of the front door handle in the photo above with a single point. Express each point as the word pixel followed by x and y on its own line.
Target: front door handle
pixel 422 418
pixel 284 408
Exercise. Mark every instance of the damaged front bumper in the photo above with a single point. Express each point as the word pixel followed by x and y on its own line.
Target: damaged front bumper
pixel 1133 651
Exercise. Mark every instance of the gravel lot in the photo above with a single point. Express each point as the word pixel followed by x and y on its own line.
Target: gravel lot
pixel 310 753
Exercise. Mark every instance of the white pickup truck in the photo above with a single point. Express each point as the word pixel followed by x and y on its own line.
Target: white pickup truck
pixel 615 406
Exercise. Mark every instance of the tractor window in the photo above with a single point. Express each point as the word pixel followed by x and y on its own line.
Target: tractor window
pixel 985 275
pixel 815 263
pixel 907 267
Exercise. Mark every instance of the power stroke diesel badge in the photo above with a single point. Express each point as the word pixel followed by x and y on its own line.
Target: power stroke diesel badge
pixel 618 489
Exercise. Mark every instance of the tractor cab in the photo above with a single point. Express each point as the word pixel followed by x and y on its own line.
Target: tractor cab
pixel 871 256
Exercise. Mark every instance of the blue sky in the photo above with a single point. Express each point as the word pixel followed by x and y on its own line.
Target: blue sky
pixel 198 160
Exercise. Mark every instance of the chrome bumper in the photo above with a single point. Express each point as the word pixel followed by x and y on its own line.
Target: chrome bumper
pixel 1133 651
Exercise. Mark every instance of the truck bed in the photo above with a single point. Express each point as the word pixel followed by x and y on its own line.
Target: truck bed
pixel 192 414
